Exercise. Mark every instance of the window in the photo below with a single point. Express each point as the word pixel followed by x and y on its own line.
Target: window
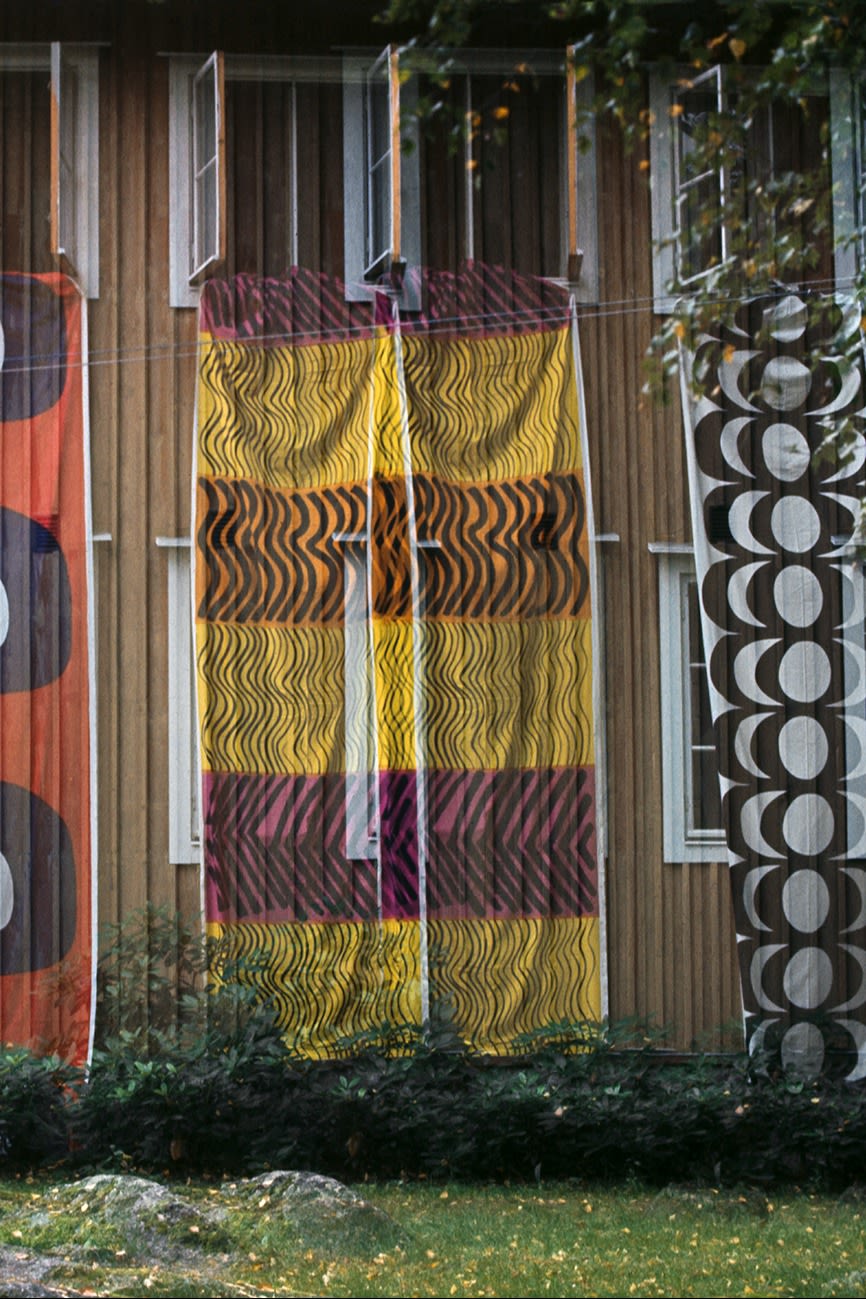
pixel 208 168
pixel 702 216
pixel 693 829
pixel 581 258
pixel 519 189
pixel 362 759
pixel 184 783
pixel 382 197
pixel 197 168
pixel 50 152
pixel 278 161
pixel 75 163
pixel 242 130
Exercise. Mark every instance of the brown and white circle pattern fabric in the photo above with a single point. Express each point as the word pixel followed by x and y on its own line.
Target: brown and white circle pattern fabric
pixel 776 442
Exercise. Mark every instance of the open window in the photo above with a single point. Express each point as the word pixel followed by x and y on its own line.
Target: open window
pixel 242 130
pixel 511 167
pixel 581 209
pixel 75 163
pixel 693 828
pixel 706 213
pixel 382 230
pixel 208 247
pixel 197 168
pixel 49 198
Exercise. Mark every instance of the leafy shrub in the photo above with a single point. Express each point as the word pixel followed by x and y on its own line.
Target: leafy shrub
pixel 34 1108
pixel 190 1076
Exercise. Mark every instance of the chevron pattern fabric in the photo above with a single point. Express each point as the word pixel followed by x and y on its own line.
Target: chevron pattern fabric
pixel 395 657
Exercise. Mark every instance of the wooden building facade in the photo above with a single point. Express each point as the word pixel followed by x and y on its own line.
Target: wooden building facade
pixel 668 929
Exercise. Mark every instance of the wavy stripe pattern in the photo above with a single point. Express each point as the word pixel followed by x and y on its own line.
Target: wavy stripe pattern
pixel 435 626
pixel 327 983
pixel 498 978
pixel 500 550
pixel 271 700
pixel 507 695
pixel 271 556
pixel 488 409
pixel 496 695
pixel 286 417
pixel 504 978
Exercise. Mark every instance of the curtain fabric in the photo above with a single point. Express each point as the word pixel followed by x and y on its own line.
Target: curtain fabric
pixel 46 983
pixel 395 662
pixel 783 593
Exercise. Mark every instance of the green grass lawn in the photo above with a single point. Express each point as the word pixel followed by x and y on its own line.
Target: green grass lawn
pixel 553 1239
pixel 556 1240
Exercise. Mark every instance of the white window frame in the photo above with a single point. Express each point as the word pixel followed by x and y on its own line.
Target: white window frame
pixel 184 775
pixel 359 703
pixel 75 163
pixel 682 842
pixel 208 177
pixel 74 151
pixel 183 286
pixel 401 179
pixel 191 259
pixel 581 180
pixel 845 131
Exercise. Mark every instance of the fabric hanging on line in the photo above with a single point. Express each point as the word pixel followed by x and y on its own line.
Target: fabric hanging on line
pixel 46 976
pixel 783 598
pixel 395 664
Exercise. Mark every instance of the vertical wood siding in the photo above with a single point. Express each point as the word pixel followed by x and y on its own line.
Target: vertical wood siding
pixel 24 184
pixel 670 939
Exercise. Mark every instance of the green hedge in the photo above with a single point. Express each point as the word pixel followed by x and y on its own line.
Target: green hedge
pixel 194 1078
pixel 238 1102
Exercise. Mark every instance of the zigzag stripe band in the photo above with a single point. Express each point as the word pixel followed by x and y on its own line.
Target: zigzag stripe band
pixel 499 844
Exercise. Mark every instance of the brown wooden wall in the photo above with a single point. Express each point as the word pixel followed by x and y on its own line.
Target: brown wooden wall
pixel 670 940
pixel 671 952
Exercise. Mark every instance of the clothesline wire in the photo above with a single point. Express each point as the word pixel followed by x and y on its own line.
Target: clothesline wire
pixel 620 308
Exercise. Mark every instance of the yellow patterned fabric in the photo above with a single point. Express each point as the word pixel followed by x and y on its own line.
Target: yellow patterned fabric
pixel 329 982
pixel 394 646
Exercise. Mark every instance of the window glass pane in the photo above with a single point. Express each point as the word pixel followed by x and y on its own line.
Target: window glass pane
pixel 378 108
pixel 707 802
pixel 67 214
pixel 205 117
pixel 206 211
pixel 378 137
pixel 379 243
pixel 206 164
pixel 699 188
pixel 703 795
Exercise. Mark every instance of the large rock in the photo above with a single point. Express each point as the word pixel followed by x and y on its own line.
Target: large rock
pixel 150 1218
pixel 324 1213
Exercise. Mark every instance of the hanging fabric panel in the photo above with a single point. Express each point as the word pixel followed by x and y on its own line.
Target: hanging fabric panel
pixel 783 605
pixel 505 727
pixel 395 662
pixel 46 976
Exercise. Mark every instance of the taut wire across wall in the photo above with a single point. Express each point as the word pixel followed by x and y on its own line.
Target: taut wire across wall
pixel 394 656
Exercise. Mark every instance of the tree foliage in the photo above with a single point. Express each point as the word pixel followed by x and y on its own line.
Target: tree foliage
pixel 779 221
